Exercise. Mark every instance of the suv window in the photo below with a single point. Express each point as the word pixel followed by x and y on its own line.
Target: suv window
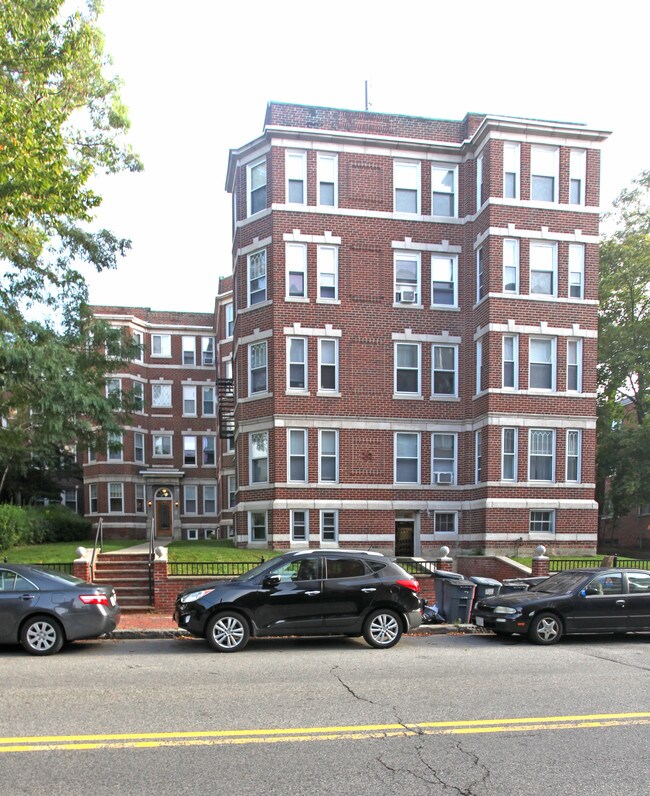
pixel 345 568
pixel 638 582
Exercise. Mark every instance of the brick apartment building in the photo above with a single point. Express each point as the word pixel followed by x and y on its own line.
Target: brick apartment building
pixel 165 474
pixel 407 344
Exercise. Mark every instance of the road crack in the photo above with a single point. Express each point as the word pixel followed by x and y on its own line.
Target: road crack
pixel 349 689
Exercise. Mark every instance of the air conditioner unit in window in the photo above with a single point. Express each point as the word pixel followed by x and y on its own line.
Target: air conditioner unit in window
pixel 444 478
pixel 408 296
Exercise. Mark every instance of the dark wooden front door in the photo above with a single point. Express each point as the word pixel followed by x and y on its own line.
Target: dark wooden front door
pixel 404 538
pixel 163 518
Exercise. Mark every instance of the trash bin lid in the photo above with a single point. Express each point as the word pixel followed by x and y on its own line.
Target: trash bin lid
pixel 444 575
pixel 481 581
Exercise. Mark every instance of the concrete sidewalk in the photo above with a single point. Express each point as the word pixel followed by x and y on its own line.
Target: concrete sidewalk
pixel 157 624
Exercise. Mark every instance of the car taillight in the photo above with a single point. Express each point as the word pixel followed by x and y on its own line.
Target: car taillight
pixel 94 599
pixel 413 584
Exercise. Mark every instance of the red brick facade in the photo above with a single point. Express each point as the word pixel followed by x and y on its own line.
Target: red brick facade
pixel 369 273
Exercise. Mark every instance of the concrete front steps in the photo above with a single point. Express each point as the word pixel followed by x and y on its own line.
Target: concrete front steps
pixel 128 573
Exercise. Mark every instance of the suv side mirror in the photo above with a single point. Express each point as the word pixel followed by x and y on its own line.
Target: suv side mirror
pixel 590 590
pixel 271 581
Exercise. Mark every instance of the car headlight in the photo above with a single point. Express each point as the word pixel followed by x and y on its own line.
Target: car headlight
pixel 502 609
pixel 193 596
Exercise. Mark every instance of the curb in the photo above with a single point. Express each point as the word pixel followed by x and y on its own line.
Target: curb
pixel 423 630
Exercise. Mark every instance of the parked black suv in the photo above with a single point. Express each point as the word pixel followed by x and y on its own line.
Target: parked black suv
pixel 305 593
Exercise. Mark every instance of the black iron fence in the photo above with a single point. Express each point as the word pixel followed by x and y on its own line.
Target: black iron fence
pixel 67 568
pixel 559 565
pixel 213 568
pixel 417 567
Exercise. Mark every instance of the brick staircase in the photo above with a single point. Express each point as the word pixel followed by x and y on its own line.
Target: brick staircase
pixel 129 575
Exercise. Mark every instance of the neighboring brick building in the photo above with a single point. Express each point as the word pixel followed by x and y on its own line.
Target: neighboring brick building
pixel 413 341
pixel 165 474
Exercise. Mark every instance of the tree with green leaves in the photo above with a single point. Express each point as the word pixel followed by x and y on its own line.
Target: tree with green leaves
pixel 61 122
pixel 624 354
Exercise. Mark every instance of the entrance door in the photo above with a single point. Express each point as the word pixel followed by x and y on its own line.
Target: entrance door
pixel 404 538
pixel 163 517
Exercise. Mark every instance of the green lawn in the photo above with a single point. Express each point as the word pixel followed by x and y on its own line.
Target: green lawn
pixel 64 552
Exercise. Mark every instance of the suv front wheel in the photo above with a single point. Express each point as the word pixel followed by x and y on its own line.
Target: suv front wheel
pixel 382 629
pixel 227 632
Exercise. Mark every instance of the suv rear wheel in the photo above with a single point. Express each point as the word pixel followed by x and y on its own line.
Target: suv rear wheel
pixel 382 629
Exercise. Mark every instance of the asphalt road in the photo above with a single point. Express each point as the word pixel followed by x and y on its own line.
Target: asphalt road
pixel 452 714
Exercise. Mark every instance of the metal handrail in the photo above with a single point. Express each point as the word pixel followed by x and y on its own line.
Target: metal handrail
pixel 99 542
pixel 152 555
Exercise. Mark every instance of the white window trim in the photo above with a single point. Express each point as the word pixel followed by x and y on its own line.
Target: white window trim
pixel 325 390
pixel 515 454
pixel 334 159
pixel 299 267
pixel 478 438
pixel 550 534
pixel 577 480
pixel 578 171
pixel 189 349
pixel 137 434
pixel 441 535
pixel 155 405
pixel 229 317
pixel 514 265
pixel 321 271
pixel 207 351
pixel 187 437
pixel 304 456
pixel 250 527
pixel 336 454
pixel 115 456
pixel 162 354
pixel 540 244
pixel 190 488
pixel 251 458
pixel 205 450
pixel 481 286
pixel 252 394
pixel 479 367
pixel 418 457
pixel 515 354
pixel 295 541
pixel 453 260
pixel 249 169
pixel 454 169
pixel 249 258
pixel 214 401
pixel 553 151
pixel 413 257
pixel 231 492
pixel 298 390
pixel 329 542
pixel 171 446
pixel 578 345
pixel 299 157
pixel 530 454
pixel 205 500
pixel 479 182
pixel 515 148
pixel 191 389
pixel 578 250
pixel 454 471
pixel 441 395
pixel 404 394
pixel 108 495
pixel 414 168
pixel 553 341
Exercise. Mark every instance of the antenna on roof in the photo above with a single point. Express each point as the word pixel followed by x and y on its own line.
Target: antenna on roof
pixel 367 95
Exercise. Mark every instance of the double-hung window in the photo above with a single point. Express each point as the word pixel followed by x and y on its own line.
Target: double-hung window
pixel 138 447
pixel 510 363
pixel 479 367
pixel 296 169
pixel 480 274
pixel 209 499
pixel 140 498
pixel 328 273
pixel 116 498
pixel 407 458
pixel 296 273
pixel 541 363
pixel 257 368
pixel 328 446
pixel 445 370
pixel 327 167
pixel 406 182
pixel 443 458
pixel 258 443
pixel 444 281
pixel 576 270
pixel 541 455
pixel 190 502
pixel 114 390
pixel 189 400
pixel 328 365
pixel 138 396
pixel 256 277
pixel 479 182
pixel 478 456
pixel 299 525
pixel 92 498
pixel 189 450
pixel 207 350
pixel 297 363
pixel 189 350
pixel 573 451
pixel 443 190
pixel 161 345
pixel 509 454
pixel 407 369
pixel 543 268
pixel 209 456
pixel 256 180
pixel 257 521
pixel 574 365
pixel 577 176
pixel 511 161
pixel 232 490
pixel 115 446
pixel 161 395
pixel 544 170
pixel 138 340
pixel 208 407
pixel 229 319
pixel 510 265
pixel 329 527
pixel 297 455
pixel 407 278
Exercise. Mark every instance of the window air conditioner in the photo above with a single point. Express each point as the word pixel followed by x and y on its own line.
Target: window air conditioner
pixel 407 296
pixel 444 478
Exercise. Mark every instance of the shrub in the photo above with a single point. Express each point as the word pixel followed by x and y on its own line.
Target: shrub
pixel 60 524
pixel 14 526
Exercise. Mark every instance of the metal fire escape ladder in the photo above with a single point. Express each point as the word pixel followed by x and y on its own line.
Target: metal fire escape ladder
pixel 226 397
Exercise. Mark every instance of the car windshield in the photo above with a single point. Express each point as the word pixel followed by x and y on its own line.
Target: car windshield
pixel 260 569
pixel 562 583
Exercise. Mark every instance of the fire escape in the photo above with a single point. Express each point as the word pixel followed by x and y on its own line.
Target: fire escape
pixel 226 396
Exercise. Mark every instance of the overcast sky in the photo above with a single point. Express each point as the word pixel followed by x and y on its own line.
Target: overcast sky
pixel 198 75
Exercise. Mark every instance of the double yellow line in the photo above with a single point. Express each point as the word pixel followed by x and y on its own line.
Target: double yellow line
pixel 41 743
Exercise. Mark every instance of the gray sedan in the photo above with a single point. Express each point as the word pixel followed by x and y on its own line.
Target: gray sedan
pixel 41 609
